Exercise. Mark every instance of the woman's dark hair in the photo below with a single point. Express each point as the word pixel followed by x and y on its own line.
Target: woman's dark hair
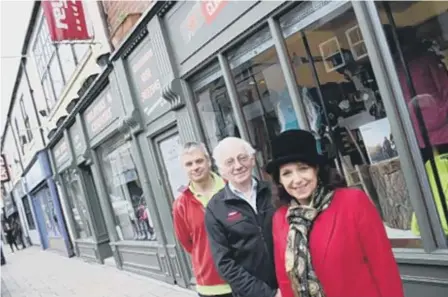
pixel 327 175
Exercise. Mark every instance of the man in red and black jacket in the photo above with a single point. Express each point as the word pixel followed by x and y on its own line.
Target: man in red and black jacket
pixel 189 213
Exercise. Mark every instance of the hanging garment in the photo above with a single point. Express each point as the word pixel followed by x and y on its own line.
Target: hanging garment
pixel 430 81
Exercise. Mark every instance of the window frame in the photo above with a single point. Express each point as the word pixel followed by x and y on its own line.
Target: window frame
pixel 44 51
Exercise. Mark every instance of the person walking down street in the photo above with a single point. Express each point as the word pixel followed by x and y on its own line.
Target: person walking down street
pixel 329 240
pixel 18 233
pixel 189 213
pixel 239 223
pixel 10 238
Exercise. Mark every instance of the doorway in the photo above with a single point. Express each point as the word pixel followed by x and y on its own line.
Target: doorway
pixel 172 180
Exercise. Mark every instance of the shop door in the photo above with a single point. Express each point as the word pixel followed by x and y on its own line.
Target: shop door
pixel 173 180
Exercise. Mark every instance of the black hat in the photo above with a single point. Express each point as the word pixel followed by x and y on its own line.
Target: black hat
pixel 293 146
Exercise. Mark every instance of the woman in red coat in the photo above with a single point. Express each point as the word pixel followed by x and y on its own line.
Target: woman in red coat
pixel 329 240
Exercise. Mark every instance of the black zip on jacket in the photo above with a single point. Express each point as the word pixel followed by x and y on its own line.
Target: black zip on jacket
pixel 241 241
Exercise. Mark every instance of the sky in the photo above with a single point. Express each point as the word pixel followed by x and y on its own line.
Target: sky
pixel 14 18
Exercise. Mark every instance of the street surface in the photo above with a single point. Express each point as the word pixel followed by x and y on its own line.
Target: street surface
pixel 33 272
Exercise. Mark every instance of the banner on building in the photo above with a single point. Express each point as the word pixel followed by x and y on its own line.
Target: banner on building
pixel 66 20
pixel 4 169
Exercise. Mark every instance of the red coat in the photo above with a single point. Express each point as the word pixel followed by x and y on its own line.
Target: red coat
pixel 350 251
pixel 189 226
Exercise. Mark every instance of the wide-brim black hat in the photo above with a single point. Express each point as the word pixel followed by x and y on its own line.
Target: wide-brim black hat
pixel 293 146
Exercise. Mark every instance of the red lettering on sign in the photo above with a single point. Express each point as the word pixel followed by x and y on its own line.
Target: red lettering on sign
pixel 210 9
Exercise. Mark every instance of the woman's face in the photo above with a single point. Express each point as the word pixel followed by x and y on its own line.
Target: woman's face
pixel 299 180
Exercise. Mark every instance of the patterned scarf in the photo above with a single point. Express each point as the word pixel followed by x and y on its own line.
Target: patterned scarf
pixel 298 259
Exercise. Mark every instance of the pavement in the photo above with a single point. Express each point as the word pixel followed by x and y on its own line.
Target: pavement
pixel 33 272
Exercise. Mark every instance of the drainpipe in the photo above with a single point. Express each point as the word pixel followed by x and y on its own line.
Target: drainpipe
pixel 36 112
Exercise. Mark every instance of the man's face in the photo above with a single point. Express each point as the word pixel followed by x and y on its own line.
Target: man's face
pixel 196 165
pixel 237 165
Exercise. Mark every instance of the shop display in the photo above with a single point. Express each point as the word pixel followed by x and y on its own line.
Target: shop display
pixel 126 195
pixel 378 141
pixel 171 149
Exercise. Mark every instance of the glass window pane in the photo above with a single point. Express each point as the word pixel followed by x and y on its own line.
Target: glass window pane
pixel 132 217
pixel 51 221
pixel 56 77
pixel 77 205
pixel 356 116
pixel 417 34
pixel 67 60
pixel 264 98
pixel 80 51
pixel 48 89
pixel 215 112
pixel 28 213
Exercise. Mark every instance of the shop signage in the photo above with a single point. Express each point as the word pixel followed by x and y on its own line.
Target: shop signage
pixel 61 152
pixel 9 205
pixel 35 175
pixel 77 139
pixel 99 114
pixel 146 78
pixel 4 169
pixel 195 23
pixel 66 20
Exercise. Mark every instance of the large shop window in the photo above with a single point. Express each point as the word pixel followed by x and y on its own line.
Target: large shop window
pixel 51 220
pixel 78 205
pixel 28 213
pixel 262 92
pixel 215 112
pixel 346 113
pixel 132 217
pixel 417 34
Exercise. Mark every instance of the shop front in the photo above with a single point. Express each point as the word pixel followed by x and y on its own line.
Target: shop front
pixel 42 191
pixel 367 79
pixel 23 201
pixel 24 215
pixel 205 70
pixel 83 213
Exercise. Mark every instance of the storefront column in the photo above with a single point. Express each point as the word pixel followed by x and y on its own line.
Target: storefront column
pixel 63 197
pixel 401 125
pixel 233 96
pixel 105 206
pixel 288 72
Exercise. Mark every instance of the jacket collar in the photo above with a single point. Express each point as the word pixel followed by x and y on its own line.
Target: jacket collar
pixel 262 186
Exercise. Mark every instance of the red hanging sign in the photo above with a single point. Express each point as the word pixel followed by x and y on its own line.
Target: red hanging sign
pixel 66 20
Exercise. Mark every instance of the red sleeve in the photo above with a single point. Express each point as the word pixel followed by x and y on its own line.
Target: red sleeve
pixel 377 248
pixel 181 228
pixel 279 236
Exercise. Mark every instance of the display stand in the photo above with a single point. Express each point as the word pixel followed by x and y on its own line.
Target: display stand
pixel 395 204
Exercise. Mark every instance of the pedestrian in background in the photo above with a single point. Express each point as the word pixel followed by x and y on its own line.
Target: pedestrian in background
pixel 188 214
pixel 10 238
pixel 239 223
pixel 329 240
pixel 17 232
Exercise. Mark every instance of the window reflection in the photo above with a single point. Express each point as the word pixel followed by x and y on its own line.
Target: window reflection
pixel 215 112
pixel 417 34
pixel 132 217
pixel 51 220
pixel 337 84
pixel 77 204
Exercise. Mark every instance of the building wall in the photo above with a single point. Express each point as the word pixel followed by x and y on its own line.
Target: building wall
pixel 121 16
pixel 86 65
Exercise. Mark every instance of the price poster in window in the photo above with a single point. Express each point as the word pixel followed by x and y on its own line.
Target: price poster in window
pixel 171 149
